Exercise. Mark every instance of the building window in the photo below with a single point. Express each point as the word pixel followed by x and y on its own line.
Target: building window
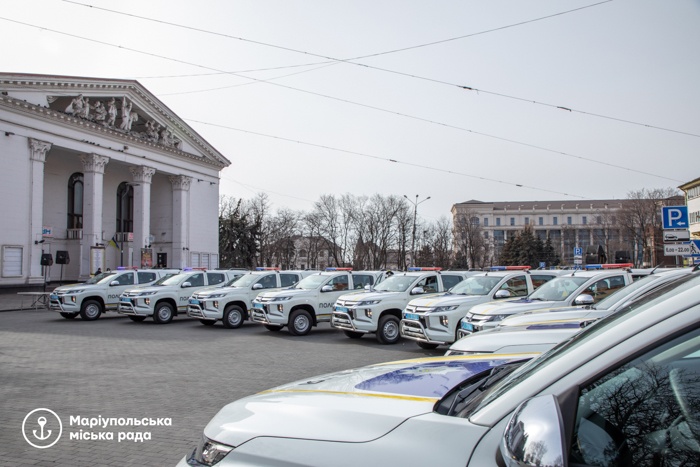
pixel 568 220
pixel 12 260
pixel 125 208
pixel 498 222
pixel 527 221
pixel 75 201
pixel 474 220
pixel 584 220
pixel 486 234
pixel 512 221
pixel 555 220
pixel 540 221
pixel 599 220
pixel 486 221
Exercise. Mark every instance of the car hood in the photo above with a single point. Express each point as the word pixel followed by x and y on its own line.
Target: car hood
pixel 447 300
pixel 498 338
pixel 512 306
pixel 563 315
pixel 287 293
pixel 363 296
pixel 77 285
pixel 349 406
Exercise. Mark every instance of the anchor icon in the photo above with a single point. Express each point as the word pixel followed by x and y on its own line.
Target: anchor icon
pixel 42 421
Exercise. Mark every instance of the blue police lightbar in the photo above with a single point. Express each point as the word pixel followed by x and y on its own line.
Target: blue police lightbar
pixel 423 269
pixel 610 266
pixel 121 268
pixel 509 268
pixel 338 269
pixel 260 268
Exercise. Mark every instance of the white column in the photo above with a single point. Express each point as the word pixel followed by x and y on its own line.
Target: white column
pixel 93 198
pixel 181 219
pixel 37 153
pixel 142 207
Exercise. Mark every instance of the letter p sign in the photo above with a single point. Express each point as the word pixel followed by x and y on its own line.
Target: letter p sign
pixel 675 217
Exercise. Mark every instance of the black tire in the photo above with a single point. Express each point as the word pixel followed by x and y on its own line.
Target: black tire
pixel 300 323
pixel 353 334
pixel 388 330
pixel 90 310
pixel 137 319
pixel 208 322
pixel 163 314
pixel 427 346
pixel 68 315
pixel 273 327
pixel 233 317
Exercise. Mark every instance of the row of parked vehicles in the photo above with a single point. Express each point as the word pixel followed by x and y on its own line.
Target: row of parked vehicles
pixel 614 383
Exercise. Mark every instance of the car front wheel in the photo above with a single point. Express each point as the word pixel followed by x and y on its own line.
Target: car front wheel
pixel 388 331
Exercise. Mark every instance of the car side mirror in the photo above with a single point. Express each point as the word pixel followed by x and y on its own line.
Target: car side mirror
pixel 257 286
pixel 417 291
pixel 186 284
pixel 368 287
pixel 327 288
pixel 502 294
pixel 114 283
pixel 584 299
pixel 534 435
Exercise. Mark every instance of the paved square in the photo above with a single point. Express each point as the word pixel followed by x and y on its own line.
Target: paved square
pixel 116 368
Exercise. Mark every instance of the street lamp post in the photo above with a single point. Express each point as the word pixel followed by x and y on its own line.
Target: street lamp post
pixel 415 216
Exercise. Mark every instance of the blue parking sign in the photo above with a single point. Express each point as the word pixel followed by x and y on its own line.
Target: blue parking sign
pixel 578 251
pixel 674 217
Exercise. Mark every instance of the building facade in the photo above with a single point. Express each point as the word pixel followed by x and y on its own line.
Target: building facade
pixel 568 224
pixel 692 200
pixel 98 173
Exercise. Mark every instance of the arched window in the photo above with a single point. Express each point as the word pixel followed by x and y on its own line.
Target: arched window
pixel 125 207
pixel 75 201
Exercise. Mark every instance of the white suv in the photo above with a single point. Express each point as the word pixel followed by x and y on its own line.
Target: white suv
pixel 231 304
pixel 378 310
pixel 434 320
pixel 101 293
pixel 168 296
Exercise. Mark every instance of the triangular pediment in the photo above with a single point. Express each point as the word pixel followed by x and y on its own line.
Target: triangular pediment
pixel 121 108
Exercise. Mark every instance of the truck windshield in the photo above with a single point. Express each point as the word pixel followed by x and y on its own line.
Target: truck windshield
pixel 99 277
pixel 312 282
pixel 476 285
pixel 396 284
pixel 558 289
pixel 246 280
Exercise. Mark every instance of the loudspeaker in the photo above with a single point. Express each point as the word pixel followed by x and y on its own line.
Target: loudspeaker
pixel 46 259
pixel 62 257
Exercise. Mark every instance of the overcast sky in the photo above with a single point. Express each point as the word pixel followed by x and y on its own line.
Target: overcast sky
pixel 568 99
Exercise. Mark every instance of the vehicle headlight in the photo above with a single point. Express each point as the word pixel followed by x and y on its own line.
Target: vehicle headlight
pixel 214 295
pixel 145 294
pixel 499 317
pixel 439 309
pixel 367 302
pixel 452 353
pixel 280 299
pixel 208 452
pixel 74 291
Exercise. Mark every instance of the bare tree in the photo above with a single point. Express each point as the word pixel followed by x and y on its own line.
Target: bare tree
pixel 640 218
pixel 472 248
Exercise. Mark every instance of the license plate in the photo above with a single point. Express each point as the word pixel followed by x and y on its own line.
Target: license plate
pixel 412 316
pixel 53 296
pixel 341 309
pixel 258 305
pixel 467 326
pixel 126 300
pixel 194 302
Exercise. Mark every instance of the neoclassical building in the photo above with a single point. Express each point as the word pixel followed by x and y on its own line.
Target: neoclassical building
pixel 98 173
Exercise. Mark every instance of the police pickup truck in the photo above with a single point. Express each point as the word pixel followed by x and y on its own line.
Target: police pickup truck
pixel 231 304
pixel 101 292
pixel 578 287
pixel 170 295
pixel 434 320
pixel 379 310
pixel 310 301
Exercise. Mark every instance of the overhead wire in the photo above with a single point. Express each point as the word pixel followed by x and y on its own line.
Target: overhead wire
pixel 352 61
pixel 380 109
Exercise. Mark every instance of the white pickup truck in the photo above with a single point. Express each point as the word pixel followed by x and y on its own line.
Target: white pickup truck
pixel 309 302
pixel 101 292
pixel 378 310
pixel 168 296
pixel 434 320
pixel 230 304
pixel 573 288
